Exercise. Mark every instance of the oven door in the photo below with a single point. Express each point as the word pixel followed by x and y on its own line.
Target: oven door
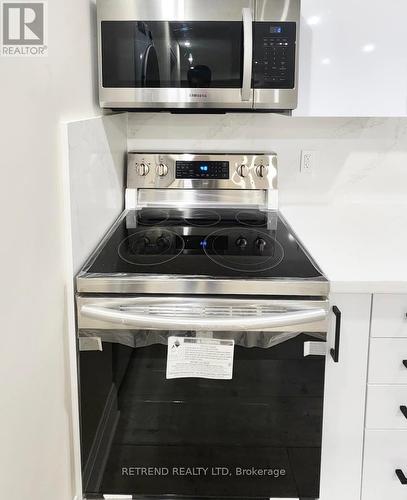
pixel 241 419
pixel 175 54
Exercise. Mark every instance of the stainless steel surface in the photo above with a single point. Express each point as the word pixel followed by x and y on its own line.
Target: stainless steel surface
pixel 278 10
pixel 198 10
pixel 172 10
pixel 185 314
pixel 247 92
pixel 172 98
pixel 276 99
pixel 201 313
pixel 202 198
pixel 128 283
pixel 151 181
pixel 286 11
pixel 251 180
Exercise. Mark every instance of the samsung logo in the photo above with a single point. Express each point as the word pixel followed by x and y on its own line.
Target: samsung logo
pixel 198 95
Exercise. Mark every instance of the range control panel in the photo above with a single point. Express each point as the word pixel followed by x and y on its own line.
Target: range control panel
pixel 202 170
pixel 274 55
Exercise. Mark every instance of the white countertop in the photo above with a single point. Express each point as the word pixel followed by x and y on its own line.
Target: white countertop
pixel 360 248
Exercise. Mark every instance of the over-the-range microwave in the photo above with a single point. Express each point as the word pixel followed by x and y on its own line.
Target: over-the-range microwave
pixel 198 54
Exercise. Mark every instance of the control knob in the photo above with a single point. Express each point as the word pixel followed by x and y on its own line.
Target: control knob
pixel 143 169
pixel 242 170
pixel 260 244
pixel 163 241
pixel 241 243
pixel 261 171
pixel 141 244
pixel 162 170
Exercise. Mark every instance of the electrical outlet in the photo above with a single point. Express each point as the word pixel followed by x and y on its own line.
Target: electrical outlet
pixel 308 161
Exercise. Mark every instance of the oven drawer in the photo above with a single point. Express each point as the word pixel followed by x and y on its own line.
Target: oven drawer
pixel 386 407
pixel 389 317
pixel 385 453
pixel 386 361
pixel 201 313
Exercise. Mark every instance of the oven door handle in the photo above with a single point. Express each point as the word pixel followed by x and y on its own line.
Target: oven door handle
pixel 247 53
pixel 164 320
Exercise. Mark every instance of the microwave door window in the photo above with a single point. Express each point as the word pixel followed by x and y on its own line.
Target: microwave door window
pixel 150 54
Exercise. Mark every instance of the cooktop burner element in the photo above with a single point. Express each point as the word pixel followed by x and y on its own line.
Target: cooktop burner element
pixel 152 217
pixel 151 247
pixel 253 251
pixel 203 218
pixel 251 218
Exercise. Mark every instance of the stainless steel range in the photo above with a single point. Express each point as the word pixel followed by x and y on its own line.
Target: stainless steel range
pixel 200 317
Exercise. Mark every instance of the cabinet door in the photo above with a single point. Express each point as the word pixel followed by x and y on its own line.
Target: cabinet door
pixel 386 407
pixel 385 452
pixel 386 361
pixel 344 405
pixel 352 57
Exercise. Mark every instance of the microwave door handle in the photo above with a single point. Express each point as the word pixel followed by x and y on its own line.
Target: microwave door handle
pixel 247 54
pixel 170 321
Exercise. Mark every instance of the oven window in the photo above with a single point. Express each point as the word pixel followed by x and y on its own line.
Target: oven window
pixel 137 54
pixel 255 436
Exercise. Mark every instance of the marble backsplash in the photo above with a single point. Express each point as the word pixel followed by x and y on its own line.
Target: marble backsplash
pixel 360 160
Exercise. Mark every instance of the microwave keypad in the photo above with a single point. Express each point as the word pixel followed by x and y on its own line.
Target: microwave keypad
pixel 274 55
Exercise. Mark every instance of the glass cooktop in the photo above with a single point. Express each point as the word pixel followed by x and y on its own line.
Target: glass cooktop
pixel 204 242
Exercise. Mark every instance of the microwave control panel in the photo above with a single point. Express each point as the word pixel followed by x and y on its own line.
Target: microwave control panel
pixel 274 55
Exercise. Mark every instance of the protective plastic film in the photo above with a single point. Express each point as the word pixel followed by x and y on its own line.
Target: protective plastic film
pixel 144 338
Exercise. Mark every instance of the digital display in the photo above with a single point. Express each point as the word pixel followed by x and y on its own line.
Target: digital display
pixel 202 170
pixel 276 29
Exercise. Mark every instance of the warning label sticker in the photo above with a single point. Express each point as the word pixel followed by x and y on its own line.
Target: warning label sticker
pixel 200 358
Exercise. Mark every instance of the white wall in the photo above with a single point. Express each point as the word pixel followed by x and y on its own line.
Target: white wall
pixel 361 160
pixel 36 95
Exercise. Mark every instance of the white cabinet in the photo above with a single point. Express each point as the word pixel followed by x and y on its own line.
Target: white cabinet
pixel 386 361
pixel 385 452
pixel 389 316
pixel 344 405
pixel 353 58
pixel 383 407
